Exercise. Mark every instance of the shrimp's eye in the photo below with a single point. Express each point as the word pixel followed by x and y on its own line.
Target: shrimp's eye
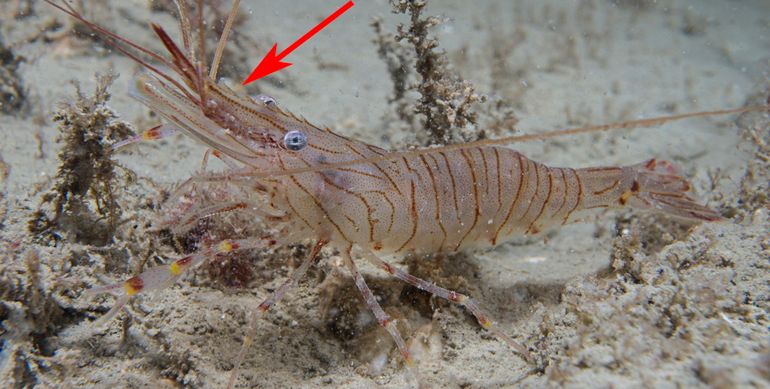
pixel 295 140
pixel 266 100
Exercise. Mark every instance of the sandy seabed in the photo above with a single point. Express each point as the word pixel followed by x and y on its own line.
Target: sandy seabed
pixel 622 300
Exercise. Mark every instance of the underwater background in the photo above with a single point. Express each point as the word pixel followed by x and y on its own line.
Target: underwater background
pixel 622 300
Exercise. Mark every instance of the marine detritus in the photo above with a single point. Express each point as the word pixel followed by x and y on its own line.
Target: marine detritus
pixel 82 200
pixel 12 92
pixel 446 102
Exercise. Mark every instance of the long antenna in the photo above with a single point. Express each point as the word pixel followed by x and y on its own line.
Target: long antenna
pixel 223 40
pixel 641 123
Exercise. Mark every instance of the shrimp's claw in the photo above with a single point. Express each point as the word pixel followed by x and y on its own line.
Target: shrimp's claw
pixel 154 278
pixel 155 133
pixel 658 186
pixel 161 277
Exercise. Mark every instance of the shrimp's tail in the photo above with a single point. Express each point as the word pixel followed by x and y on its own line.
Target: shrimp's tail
pixel 651 185
pixel 661 188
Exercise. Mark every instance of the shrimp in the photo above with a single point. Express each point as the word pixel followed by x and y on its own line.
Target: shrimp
pixel 360 199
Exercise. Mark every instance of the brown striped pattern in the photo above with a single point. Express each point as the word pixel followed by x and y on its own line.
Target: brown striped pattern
pixel 442 201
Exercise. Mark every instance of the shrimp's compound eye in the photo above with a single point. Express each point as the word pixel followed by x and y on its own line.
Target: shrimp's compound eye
pixel 295 140
pixel 266 100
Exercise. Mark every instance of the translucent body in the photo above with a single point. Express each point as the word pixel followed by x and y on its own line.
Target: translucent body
pixel 477 197
pixel 437 201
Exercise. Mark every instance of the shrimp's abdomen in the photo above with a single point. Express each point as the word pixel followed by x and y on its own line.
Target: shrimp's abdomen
pixel 481 196
pixel 442 201
pixel 450 200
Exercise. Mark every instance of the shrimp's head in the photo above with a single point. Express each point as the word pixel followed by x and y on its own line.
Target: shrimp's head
pixel 281 139
pixel 253 131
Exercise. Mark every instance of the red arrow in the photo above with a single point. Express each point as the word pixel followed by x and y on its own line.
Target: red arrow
pixel 272 62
